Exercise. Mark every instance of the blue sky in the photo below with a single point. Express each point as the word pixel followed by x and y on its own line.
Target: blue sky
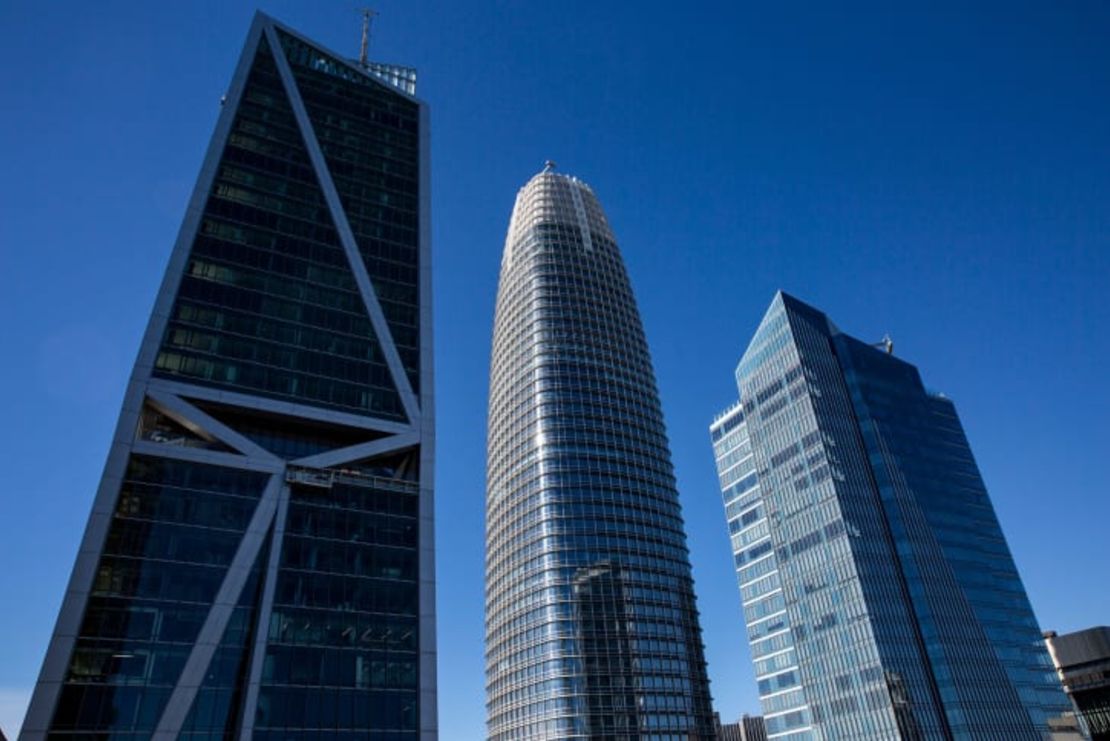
pixel 937 171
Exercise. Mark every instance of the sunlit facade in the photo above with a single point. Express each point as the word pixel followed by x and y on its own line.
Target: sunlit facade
pixel 880 597
pixel 1082 661
pixel 591 626
pixel 258 563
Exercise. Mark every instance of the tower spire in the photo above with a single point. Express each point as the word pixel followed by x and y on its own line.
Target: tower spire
pixel 367 17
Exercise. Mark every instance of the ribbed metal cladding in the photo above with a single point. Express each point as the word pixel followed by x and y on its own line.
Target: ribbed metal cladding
pixel 591 625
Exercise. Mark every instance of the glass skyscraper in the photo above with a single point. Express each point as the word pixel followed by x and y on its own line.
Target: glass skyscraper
pixel 591 626
pixel 880 597
pixel 258 561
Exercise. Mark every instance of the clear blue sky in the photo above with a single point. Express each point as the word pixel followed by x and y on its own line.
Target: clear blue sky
pixel 938 172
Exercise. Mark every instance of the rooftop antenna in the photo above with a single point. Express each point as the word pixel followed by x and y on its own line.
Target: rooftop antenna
pixel 367 17
pixel 886 344
pixel 548 165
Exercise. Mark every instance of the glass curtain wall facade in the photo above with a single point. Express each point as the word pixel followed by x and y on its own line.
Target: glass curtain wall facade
pixel 591 625
pixel 880 596
pixel 258 562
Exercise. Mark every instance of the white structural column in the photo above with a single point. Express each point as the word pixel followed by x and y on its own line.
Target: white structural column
pixel 189 391
pixel 429 706
pixel 207 457
pixel 196 666
pixel 198 422
pixel 265 610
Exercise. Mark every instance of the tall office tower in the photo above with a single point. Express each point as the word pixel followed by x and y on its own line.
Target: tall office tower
pixel 880 597
pixel 1082 661
pixel 259 559
pixel 591 626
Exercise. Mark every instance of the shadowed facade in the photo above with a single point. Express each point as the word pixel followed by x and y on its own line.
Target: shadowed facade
pixel 258 562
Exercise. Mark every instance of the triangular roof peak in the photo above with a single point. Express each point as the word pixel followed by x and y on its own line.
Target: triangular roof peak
pixel 397 78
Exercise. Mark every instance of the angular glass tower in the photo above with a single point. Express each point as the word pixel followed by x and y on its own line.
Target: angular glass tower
pixel 258 562
pixel 591 627
pixel 880 597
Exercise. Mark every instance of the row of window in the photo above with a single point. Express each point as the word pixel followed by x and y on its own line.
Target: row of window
pixel 318 667
pixel 335 709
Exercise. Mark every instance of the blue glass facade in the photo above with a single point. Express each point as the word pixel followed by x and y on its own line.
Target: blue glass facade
pixel 591 626
pixel 902 612
pixel 258 562
pixel 172 537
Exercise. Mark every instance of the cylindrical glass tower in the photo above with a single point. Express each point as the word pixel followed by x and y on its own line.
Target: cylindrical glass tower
pixel 591 626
